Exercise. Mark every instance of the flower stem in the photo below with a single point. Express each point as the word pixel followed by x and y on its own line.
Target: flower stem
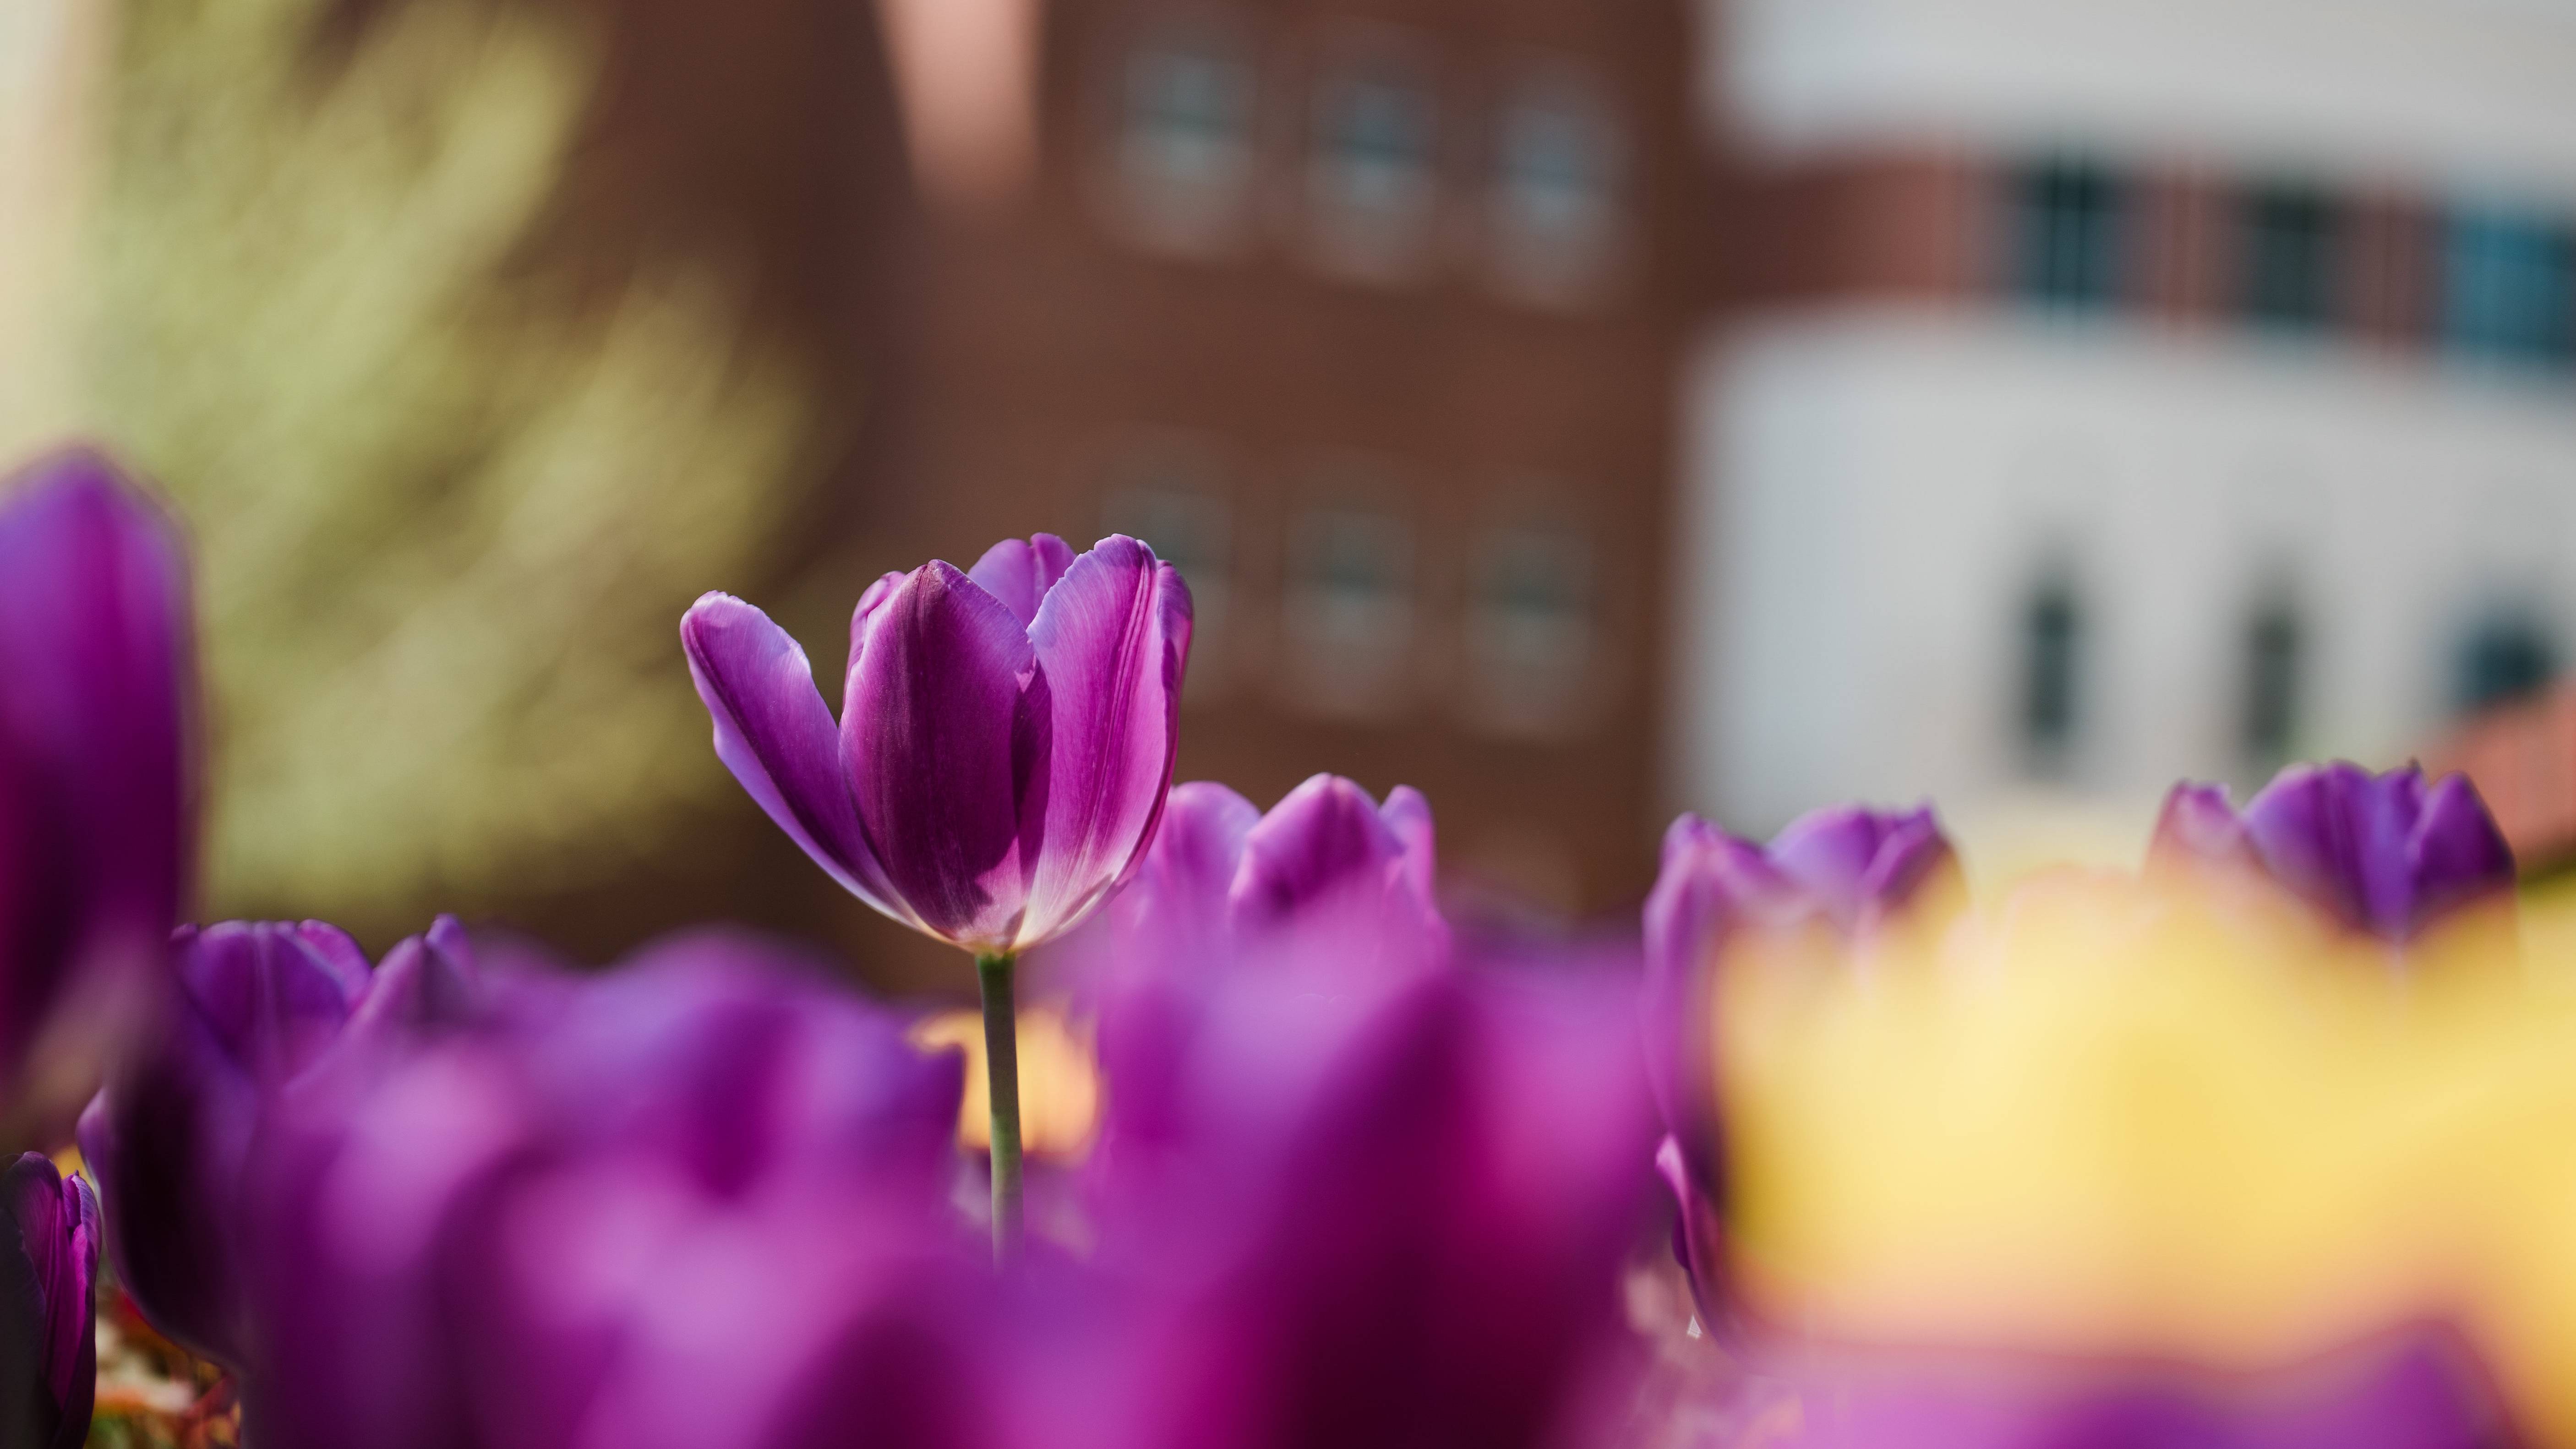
pixel 1002 1075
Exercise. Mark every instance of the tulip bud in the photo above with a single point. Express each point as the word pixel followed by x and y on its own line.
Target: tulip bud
pixel 48 1272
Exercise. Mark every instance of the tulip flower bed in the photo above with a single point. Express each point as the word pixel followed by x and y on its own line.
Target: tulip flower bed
pixel 2260 1145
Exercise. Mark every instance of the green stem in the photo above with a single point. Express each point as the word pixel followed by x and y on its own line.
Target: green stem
pixel 1002 1075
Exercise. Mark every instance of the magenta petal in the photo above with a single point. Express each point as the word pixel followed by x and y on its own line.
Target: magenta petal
pixel 1408 815
pixel 774 732
pixel 1020 572
pixel 1111 638
pixel 2380 853
pixel 1323 842
pixel 1180 891
pixel 865 615
pixel 945 737
pixel 2456 854
pixel 2198 827
pixel 1857 862
pixel 49 1240
pixel 96 808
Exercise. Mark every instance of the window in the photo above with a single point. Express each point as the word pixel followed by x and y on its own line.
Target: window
pixel 2509 286
pixel 2274 643
pixel 2286 257
pixel 2052 647
pixel 1554 205
pixel 1185 137
pixel 1372 174
pixel 1348 612
pixel 1529 629
pixel 1186 524
pixel 2069 244
pixel 2505 656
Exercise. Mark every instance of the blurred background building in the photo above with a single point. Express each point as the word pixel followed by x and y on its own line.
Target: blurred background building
pixel 2117 392
pixel 1581 411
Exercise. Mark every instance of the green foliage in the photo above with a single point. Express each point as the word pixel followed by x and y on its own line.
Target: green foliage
pixel 447 520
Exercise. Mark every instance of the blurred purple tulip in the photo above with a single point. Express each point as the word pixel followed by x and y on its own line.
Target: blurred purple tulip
pixel 2417 1391
pixel 48 1271
pixel 699 1201
pixel 1223 882
pixel 1356 1207
pixel 261 1006
pixel 1005 741
pixel 96 818
pixel 2383 854
pixel 1847 869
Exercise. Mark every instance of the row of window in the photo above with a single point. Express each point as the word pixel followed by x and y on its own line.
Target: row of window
pixel 1372 157
pixel 1357 635
pixel 2505 654
pixel 2500 279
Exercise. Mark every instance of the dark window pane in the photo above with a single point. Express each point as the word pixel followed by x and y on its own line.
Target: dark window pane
pixel 2067 234
pixel 2509 286
pixel 2287 257
pixel 2052 672
pixel 2505 657
pixel 1375 136
pixel 2273 646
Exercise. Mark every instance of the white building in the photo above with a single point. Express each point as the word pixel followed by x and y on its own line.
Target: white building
pixel 2226 414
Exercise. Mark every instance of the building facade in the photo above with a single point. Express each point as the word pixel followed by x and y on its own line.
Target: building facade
pixel 2119 392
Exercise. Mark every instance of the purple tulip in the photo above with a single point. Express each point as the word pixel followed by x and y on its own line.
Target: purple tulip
pixel 1398 1225
pixel 2384 854
pixel 48 1270
pixel 2418 1392
pixel 1224 882
pixel 1005 741
pixel 1848 869
pixel 699 1201
pixel 261 1007
pixel 1371 1206
pixel 95 773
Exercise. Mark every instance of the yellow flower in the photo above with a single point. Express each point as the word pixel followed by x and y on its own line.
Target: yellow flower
pixel 2108 1114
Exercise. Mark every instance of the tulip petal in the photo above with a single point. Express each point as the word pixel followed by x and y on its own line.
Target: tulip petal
pixel 944 735
pixel 1324 840
pixel 48 1265
pixel 1111 639
pixel 94 745
pixel 274 996
pixel 866 612
pixel 2198 827
pixel 1179 894
pixel 2378 853
pixel 1408 815
pixel 1021 572
pixel 774 732
pixel 1858 862
pixel 2457 854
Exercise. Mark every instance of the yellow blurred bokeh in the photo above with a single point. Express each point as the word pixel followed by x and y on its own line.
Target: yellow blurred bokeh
pixel 2107 1115
pixel 1059 1080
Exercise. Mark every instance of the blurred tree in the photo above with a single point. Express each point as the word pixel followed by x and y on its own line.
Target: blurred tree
pixel 448 508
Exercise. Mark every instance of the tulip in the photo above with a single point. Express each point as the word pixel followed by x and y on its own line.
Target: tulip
pixel 2387 855
pixel 1372 1220
pixel 1847 870
pixel 260 1006
pixel 1224 881
pixel 1002 757
pixel 1348 1195
pixel 700 1200
pixel 48 1270
pixel 95 775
